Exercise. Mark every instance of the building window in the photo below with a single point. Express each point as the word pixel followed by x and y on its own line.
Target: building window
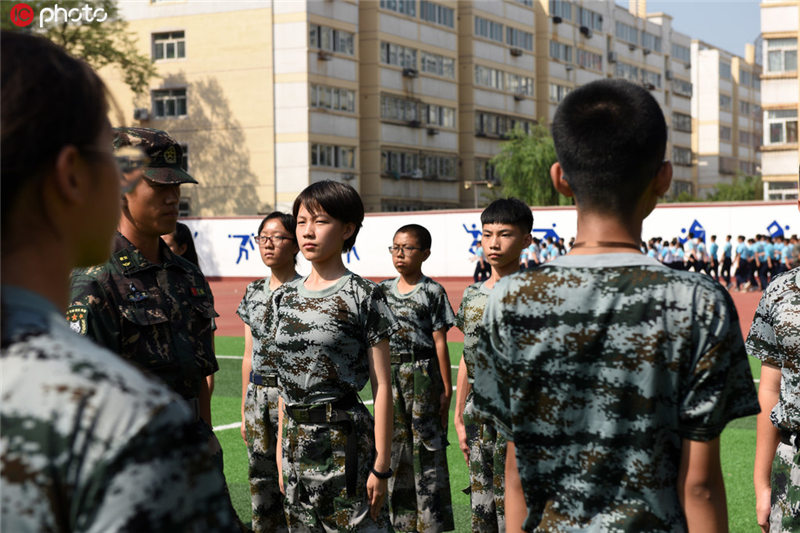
pixel 185 157
pixel 682 122
pixel 724 70
pixel 437 115
pixel 484 170
pixel 591 19
pixel 681 87
pixel 744 107
pixel 418 165
pixel 330 39
pixel 627 33
pixel 747 168
pixel 558 92
pixel 651 41
pixel 781 126
pixel 488 29
pixel 727 165
pixel 439 65
pixel 333 98
pixel 494 125
pixel 395 54
pixel 519 38
pixel 398 108
pixel 528 3
pixel 681 53
pixel 562 52
pixel 169 45
pixel 627 72
pixel 405 7
pixel 746 138
pixel 441 15
pixel 561 8
pixel 681 156
pixel 781 55
pixel 745 78
pixel 489 77
pixel 326 155
pixel 590 60
pixel 519 84
pixel 651 78
pixel 435 166
pixel 169 103
pixel 725 133
pixel 725 102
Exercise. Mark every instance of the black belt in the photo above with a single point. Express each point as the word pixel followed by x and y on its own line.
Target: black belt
pixel 418 354
pixel 790 438
pixel 336 412
pixel 270 380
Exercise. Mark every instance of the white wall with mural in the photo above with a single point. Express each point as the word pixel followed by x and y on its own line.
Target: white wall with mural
pixel 227 249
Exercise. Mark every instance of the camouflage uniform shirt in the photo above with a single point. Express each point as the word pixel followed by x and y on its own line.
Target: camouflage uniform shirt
pixel 160 317
pixel 468 320
pixel 599 366
pixel 775 339
pixel 91 444
pixel 322 337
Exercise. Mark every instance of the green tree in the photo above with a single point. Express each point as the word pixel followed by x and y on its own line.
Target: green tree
pixel 523 166
pixel 742 188
pixel 99 43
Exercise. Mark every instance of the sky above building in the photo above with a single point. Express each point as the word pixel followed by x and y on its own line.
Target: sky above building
pixel 726 24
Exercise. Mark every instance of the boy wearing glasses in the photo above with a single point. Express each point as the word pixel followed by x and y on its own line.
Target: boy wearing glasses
pixel 507 226
pixel 419 492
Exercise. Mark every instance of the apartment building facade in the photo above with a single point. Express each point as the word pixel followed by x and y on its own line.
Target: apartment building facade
pixel 406 100
pixel 780 94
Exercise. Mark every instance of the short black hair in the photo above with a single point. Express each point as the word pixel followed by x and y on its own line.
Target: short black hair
pixel 509 211
pixel 287 220
pixel 183 236
pixel 610 138
pixel 339 200
pixel 420 233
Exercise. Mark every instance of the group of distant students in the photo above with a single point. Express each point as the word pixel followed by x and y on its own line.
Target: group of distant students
pixel 591 393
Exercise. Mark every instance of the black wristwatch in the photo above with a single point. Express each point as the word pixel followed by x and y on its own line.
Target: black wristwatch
pixel 382 475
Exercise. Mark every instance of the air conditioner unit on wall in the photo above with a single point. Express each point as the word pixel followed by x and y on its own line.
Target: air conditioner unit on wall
pixel 516 52
pixel 586 31
pixel 612 57
pixel 324 55
pixel 519 96
pixel 433 131
pixel 668 75
pixel 557 19
pixel 141 113
pixel 410 72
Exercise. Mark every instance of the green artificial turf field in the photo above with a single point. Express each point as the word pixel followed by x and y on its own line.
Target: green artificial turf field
pixel 738 445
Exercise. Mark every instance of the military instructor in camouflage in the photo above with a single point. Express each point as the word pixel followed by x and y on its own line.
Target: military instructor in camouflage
pixel 611 375
pixel 152 307
pixel 89 443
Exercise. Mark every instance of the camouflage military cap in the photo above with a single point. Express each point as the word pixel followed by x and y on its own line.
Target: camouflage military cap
pixel 164 152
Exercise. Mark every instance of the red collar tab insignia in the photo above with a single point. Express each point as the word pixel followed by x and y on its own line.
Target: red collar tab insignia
pixel 198 291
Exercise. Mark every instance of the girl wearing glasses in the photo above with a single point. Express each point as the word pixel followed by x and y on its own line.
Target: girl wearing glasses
pixel 278 248
pixel 332 335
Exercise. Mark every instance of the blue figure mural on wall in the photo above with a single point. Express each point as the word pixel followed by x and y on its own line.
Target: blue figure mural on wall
pixel 776 230
pixel 245 240
pixel 546 233
pixel 696 229
pixel 475 233
pixel 354 252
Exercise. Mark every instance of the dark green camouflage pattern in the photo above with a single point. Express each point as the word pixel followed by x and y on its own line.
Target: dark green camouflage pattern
pixel 597 367
pixel 159 317
pixel 419 491
pixel 322 337
pixel 314 476
pixel 468 320
pixel 89 443
pixel 784 515
pixel 774 338
pixel 165 154
pixel 487 471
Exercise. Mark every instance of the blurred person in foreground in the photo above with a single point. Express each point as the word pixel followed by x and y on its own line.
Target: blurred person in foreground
pixel 89 443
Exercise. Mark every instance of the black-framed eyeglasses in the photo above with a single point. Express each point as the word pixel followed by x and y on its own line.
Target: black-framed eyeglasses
pixel 405 249
pixel 276 240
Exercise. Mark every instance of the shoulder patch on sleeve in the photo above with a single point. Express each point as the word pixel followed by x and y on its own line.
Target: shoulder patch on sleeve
pixel 76 318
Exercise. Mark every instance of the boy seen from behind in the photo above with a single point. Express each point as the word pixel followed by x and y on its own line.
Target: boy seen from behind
pixel 419 491
pixel 507 225
pixel 611 375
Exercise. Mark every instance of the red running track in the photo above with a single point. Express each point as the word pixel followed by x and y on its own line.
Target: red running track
pixel 228 293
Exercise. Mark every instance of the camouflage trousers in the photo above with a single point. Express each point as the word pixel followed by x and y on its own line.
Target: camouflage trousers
pixel 261 427
pixel 314 476
pixel 419 491
pixel 785 512
pixel 487 464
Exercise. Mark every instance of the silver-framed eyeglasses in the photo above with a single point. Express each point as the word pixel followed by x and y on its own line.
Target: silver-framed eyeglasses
pixel 276 240
pixel 405 249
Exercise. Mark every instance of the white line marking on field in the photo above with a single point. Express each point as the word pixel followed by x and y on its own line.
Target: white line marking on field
pixel 229 357
pixel 228 426
pixel 756 381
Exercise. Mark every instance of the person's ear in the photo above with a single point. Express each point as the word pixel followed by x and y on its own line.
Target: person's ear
pixel 426 254
pixel 68 178
pixel 349 229
pixel 559 181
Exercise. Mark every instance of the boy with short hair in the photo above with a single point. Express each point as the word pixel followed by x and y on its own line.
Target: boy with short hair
pixel 611 375
pixel 507 225
pixel 419 491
